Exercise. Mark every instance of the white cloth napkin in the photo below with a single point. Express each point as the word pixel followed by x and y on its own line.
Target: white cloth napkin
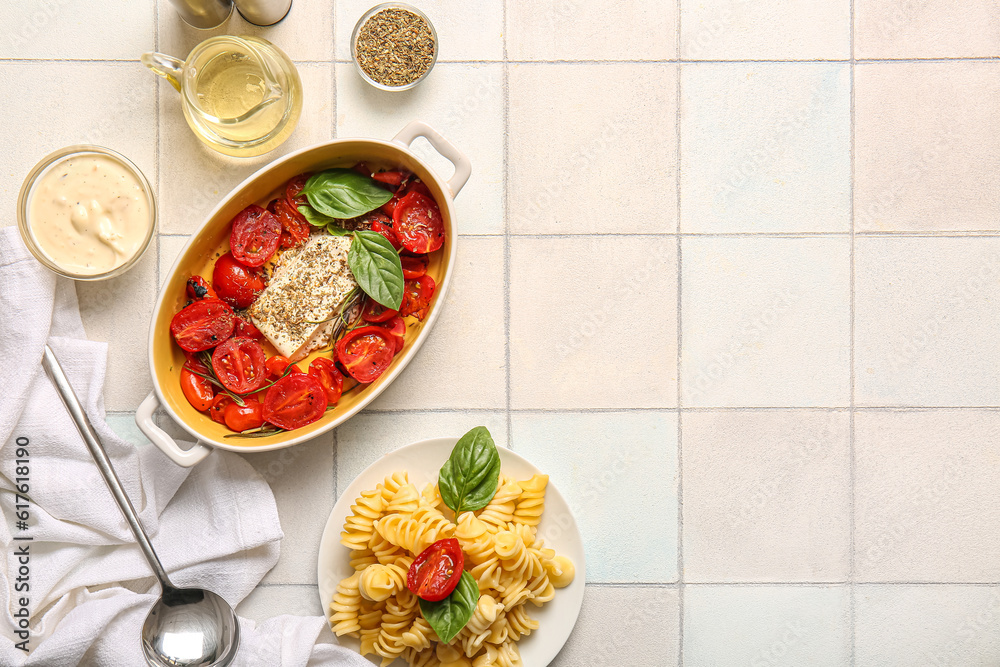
pixel 214 526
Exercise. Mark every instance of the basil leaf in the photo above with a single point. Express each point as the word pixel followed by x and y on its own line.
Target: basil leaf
pixel 450 615
pixel 344 193
pixel 376 266
pixel 336 230
pixel 468 479
pixel 315 218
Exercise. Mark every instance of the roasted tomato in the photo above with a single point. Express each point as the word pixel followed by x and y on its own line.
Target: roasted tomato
pixel 329 376
pixel 417 294
pixel 366 352
pixel 376 312
pixel 295 187
pixel 397 327
pixel 236 284
pixel 255 236
pixel 418 224
pixel 239 365
pixel 218 410
pixel 197 390
pixel 198 288
pixel 203 325
pixel 421 187
pixel 276 365
pixel 363 169
pixel 391 178
pixel 294 227
pixel 193 362
pixel 243 417
pixel 383 225
pixel 435 573
pixel 413 266
pixel 294 401
pixel 246 329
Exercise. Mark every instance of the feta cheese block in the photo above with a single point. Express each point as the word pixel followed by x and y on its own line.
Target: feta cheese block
pixel 297 310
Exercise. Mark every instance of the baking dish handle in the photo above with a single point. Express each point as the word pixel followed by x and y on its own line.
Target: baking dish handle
pixel 463 167
pixel 182 457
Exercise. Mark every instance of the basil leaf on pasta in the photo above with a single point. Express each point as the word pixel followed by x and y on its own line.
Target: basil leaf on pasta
pixel 450 615
pixel 468 479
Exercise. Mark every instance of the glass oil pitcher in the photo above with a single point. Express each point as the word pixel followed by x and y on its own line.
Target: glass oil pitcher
pixel 241 95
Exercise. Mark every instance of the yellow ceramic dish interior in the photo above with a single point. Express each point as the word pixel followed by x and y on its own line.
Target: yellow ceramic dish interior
pixel 213 241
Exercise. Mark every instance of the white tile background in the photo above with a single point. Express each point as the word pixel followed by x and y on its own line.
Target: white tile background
pixel 743 254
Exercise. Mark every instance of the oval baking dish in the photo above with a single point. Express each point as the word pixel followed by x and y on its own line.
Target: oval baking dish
pixel 166 359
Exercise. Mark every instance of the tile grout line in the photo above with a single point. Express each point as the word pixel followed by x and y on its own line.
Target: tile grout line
pixel 852 565
pixel 680 418
pixel 505 85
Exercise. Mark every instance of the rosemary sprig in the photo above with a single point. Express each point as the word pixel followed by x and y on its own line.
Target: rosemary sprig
pixel 206 359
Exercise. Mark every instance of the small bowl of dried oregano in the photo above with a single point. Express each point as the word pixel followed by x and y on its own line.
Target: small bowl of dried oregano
pixel 394 46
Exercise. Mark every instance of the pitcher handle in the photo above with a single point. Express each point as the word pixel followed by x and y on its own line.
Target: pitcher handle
pixel 168 67
pixel 182 457
pixel 463 167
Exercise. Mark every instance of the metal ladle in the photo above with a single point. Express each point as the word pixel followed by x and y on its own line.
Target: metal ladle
pixel 187 627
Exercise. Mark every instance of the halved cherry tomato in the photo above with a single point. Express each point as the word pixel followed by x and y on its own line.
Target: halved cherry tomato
pixel 376 312
pixel 418 224
pixel 239 365
pixel 241 417
pixel 193 362
pixel 390 178
pixel 414 266
pixel 198 288
pixel 435 573
pixel 203 325
pixel 197 390
pixel 417 294
pixel 276 365
pixel 246 329
pixel 294 401
pixel 294 227
pixel 255 236
pixel 421 187
pixel 397 327
pixel 390 206
pixel 383 225
pixel 295 187
pixel 363 169
pixel 366 352
pixel 235 283
pixel 218 410
pixel 329 376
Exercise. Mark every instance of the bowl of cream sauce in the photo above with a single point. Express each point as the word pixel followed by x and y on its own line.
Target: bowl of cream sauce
pixel 86 212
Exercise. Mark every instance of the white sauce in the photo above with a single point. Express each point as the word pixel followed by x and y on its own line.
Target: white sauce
pixel 88 214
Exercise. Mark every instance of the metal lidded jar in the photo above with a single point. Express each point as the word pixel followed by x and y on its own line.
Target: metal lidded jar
pixel 376 49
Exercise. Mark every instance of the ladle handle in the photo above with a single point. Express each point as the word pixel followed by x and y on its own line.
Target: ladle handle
pixel 166 66
pixel 65 389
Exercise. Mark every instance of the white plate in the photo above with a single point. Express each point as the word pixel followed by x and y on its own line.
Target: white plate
pixel 422 460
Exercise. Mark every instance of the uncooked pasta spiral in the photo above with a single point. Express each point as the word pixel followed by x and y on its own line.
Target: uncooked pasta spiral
pixel 345 606
pixel 395 621
pixel 531 502
pixel 406 533
pixel 358 529
pixel 404 501
pixel 420 635
pixel 380 582
pixel 476 541
pixel 500 511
